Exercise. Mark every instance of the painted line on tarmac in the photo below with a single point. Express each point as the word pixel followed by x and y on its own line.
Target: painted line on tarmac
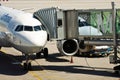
pixel 45 71
pixel 30 72
pixel 35 75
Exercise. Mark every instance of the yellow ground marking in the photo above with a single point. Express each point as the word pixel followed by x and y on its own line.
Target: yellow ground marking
pixel 35 75
pixel 46 71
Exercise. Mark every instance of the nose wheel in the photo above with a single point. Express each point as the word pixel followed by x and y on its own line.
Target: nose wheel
pixel 27 64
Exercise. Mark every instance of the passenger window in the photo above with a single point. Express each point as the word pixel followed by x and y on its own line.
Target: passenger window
pixel 28 28
pixel 19 28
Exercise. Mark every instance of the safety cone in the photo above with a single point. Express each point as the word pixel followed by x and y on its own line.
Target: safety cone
pixel 71 61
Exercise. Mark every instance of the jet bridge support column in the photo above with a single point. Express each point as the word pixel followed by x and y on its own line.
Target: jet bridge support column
pixel 115 58
pixel 114 32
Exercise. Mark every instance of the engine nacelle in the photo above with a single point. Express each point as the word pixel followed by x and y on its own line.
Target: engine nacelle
pixel 68 47
pixel 85 48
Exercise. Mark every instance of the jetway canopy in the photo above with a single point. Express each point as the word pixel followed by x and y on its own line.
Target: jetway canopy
pixel 48 18
pixel 60 24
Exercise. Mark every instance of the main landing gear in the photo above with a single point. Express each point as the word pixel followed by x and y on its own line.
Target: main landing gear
pixel 27 64
pixel 44 52
pixel 0 47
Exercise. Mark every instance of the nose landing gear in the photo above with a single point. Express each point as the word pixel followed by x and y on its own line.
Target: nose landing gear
pixel 27 63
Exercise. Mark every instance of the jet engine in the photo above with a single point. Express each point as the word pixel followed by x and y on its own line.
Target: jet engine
pixel 68 47
pixel 85 47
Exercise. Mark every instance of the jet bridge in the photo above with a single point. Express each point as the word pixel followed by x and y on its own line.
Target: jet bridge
pixel 63 26
pixel 60 24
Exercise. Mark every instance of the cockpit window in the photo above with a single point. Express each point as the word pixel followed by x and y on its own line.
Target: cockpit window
pixel 37 28
pixel 19 28
pixel 28 28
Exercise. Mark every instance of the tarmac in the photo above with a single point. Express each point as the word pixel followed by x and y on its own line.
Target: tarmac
pixel 56 66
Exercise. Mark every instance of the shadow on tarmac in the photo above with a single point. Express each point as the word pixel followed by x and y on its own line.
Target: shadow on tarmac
pixel 75 69
pixel 55 58
pixel 10 64
pixel 7 66
pixel 79 70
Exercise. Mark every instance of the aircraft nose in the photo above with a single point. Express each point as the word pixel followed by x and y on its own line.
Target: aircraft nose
pixel 38 39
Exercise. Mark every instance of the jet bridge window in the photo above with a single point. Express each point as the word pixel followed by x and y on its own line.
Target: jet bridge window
pixel 19 28
pixel 59 22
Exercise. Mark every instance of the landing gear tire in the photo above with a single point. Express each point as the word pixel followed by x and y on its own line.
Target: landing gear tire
pixel 45 52
pixel 0 47
pixel 27 66
pixel 38 54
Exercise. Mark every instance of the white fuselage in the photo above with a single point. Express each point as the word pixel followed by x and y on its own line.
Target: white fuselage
pixel 25 33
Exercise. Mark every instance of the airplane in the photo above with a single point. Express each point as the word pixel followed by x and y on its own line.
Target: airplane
pixel 23 32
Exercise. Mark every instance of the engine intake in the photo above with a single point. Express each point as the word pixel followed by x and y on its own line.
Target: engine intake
pixel 68 47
